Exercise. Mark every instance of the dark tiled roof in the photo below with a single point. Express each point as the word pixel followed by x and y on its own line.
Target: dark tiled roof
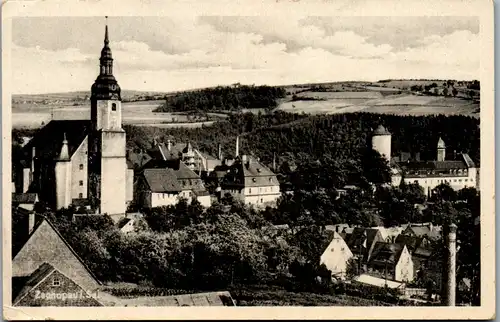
pixel 432 165
pixel 250 174
pixel 123 222
pixel 411 242
pixel 433 232
pixel 386 253
pixel 58 234
pixel 38 276
pixel 161 150
pixel 18 198
pixel 138 159
pixel 357 237
pixel 48 140
pixel 186 178
pixel 162 180
pixel 381 130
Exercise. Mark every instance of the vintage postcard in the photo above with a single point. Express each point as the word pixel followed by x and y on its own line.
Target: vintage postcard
pixel 238 157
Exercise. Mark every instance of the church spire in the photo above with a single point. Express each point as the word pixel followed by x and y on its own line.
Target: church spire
pixel 106 86
pixel 64 155
pixel 106 38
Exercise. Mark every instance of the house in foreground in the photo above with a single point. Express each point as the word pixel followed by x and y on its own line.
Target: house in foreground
pixel 336 257
pixel 391 261
pixel 47 286
pixel 46 246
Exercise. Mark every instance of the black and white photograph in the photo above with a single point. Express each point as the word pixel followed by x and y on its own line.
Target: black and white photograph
pixel 249 160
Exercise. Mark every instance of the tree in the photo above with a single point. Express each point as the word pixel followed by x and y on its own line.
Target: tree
pixel 376 168
pixel 443 192
pixel 412 193
pixel 454 92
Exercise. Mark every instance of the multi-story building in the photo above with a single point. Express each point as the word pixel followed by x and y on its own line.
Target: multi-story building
pixel 251 182
pixel 459 173
pixel 163 183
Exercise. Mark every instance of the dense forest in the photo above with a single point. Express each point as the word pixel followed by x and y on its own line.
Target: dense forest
pixel 224 98
pixel 294 137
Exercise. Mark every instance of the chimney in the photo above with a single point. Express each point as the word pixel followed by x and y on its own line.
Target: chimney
pixel 449 287
pixel 237 152
pixel 244 158
pixel 33 155
pixel 169 145
pixel 220 152
pixel 274 162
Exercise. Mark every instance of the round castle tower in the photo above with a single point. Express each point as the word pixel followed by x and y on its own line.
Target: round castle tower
pixel 381 142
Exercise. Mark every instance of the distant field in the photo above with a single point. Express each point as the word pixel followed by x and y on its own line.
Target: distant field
pixel 139 113
pixel 375 102
pixel 341 95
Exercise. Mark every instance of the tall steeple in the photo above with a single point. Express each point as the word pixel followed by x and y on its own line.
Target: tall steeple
pixel 106 86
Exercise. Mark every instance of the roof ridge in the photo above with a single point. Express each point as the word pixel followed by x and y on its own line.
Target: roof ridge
pixel 35 229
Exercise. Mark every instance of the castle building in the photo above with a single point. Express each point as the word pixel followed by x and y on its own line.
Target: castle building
pixel 249 181
pixel 82 161
pixel 458 173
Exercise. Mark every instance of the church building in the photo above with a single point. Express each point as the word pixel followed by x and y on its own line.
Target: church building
pixel 82 162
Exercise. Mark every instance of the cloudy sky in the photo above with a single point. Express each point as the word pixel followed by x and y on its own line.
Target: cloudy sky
pixel 56 54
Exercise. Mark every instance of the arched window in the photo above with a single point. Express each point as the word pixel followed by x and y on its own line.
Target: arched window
pixel 113 107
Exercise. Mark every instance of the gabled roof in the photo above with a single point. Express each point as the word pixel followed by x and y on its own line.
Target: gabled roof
pixel 162 180
pixel 123 222
pixel 386 253
pixel 39 275
pixel 18 198
pixel 48 140
pixel 250 174
pixel 357 238
pixel 411 242
pixel 138 159
pixel 36 278
pixel 51 228
pixel 429 231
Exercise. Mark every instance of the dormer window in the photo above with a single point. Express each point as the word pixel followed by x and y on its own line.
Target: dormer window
pixel 113 107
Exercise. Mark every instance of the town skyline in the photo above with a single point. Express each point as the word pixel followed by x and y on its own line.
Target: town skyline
pixel 151 55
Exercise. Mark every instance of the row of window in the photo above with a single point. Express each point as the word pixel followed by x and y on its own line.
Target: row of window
pixel 265 189
pixel 451 171
pixel 447 180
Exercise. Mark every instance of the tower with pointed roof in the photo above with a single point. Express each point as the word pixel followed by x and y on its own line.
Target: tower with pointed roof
pixel 381 142
pixel 441 150
pixel 63 176
pixel 107 154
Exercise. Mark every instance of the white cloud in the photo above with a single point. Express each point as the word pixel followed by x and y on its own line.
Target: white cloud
pixel 258 50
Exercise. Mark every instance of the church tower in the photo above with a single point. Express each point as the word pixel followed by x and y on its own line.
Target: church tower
pixel 107 163
pixel 441 150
